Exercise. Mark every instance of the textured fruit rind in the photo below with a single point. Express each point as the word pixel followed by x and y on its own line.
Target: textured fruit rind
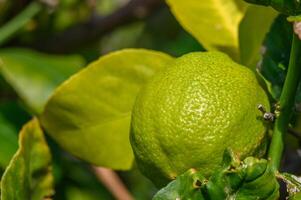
pixel 189 113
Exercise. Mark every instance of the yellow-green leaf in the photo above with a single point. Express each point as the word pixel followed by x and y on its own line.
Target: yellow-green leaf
pixel 35 75
pixel 214 23
pixel 252 31
pixel 28 176
pixel 89 114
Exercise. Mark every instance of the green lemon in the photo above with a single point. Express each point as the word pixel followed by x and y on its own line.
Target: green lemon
pixel 194 109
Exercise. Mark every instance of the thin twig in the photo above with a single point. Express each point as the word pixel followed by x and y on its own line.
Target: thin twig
pixel 18 22
pixel 113 183
pixel 88 32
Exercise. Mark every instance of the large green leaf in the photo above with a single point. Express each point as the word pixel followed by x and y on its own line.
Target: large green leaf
pixel 35 75
pixel 89 115
pixel 252 31
pixel 214 23
pixel 28 176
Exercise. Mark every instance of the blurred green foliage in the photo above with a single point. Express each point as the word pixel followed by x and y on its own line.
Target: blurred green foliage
pixel 34 75
pixel 29 77
pixel 8 141
pixel 20 98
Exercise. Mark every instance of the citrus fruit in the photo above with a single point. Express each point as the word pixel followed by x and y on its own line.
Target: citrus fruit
pixel 194 109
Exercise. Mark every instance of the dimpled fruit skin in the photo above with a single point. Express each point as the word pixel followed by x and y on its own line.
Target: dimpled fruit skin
pixel 191 111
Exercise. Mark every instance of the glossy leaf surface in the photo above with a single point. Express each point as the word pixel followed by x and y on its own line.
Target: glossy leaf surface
pixel 89 114
pixel 214 23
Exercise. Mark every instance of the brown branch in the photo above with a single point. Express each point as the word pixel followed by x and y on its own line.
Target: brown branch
pixel 90 31
pixel 113 183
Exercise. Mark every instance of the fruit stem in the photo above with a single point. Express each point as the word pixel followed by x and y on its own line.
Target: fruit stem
pixel 286 103
pixel 9 29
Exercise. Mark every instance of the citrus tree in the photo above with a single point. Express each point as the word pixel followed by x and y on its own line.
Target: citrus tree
pixel 210 124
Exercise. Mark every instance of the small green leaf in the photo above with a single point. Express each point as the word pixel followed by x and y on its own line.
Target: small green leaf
pixel 185 187
pixel 250 179
pixel 35 75
pixel 214 23
pixel 252 31
pixel 28 176
pixel 89 114
pixel 260 181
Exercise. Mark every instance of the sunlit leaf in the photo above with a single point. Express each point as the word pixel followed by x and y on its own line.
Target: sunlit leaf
pixel 252 31
pixel 28 176
pixel 34 75
pixel 89 114
pixel 214 23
